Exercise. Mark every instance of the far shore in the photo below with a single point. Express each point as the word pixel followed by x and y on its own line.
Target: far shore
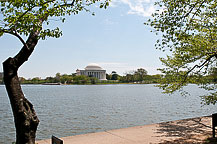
pixel 93 84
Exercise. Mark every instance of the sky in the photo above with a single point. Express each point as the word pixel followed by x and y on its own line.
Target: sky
pixel 115 38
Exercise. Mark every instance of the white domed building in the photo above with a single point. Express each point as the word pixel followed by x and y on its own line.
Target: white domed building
pixel 93 70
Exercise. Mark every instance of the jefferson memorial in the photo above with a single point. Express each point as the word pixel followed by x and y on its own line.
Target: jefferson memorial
pixel 93 70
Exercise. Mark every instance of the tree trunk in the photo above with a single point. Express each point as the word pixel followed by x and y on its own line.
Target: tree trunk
pixel 25 118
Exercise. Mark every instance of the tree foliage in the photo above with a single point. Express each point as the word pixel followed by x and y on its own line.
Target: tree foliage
pixel 188 30
pixel 81 79
pixel 22 17
pixel 140 74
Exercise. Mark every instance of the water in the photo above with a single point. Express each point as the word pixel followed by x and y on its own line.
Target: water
pixel 78 109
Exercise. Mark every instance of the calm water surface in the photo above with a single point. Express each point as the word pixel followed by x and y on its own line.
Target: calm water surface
pixel 78 109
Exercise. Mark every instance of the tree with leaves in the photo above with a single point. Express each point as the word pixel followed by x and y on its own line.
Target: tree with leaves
pixel 213 75
pixel 140 74
pixel 188 30
pixel 80 79
pixel 25 19
pixel 114 75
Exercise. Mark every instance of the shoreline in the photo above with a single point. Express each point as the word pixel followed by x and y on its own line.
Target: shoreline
pixel 192 130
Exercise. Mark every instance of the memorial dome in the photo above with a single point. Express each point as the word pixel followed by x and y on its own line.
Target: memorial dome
pixel 93 66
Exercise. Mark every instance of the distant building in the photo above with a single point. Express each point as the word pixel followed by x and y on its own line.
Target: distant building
pixel 93 70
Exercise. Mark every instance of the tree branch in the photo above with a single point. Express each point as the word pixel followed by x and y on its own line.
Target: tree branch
pixel 28 10
pixel 32 40
pixel 26 51
pixel 196 11
pixel 16 35
pixel 186 15
pixel 198 66
pixel 193 13
pixel 71 4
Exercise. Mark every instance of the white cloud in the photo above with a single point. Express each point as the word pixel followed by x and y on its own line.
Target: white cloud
pixel 138 7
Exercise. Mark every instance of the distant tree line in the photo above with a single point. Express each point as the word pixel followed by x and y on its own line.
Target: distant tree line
pixel 61 79
pixel 139 76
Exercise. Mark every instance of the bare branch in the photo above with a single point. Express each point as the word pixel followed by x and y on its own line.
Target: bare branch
pixel 198 66
pixel 16 35
pixel 21 39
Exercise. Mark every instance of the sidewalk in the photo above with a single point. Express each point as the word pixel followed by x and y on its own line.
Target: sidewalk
pixel 188 131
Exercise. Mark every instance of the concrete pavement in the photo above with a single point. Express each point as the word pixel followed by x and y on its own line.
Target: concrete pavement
pixel 186 131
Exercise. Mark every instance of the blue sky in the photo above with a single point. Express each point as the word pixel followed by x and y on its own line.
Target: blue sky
pixel 115 38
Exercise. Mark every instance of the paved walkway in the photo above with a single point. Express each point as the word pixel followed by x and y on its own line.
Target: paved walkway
pixel 188 131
